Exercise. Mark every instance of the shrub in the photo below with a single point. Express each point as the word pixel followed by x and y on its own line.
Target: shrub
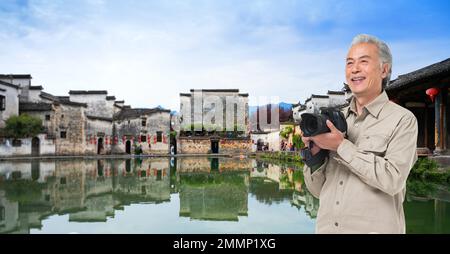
pixel 23 126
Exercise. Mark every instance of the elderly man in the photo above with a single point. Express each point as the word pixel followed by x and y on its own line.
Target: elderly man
pixel 361 184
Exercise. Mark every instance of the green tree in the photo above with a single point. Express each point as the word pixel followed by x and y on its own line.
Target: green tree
pixel 297 142
pixel 286 131
pixel 23 126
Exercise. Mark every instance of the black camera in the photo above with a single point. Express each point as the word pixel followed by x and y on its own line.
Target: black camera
pixel 315 124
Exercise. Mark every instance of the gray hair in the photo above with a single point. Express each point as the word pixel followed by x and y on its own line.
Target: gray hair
pixel 383 51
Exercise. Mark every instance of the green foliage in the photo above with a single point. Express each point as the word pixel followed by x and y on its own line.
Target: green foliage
pixel 297 142
pixel 420 188
pixel 23 190
pixel 23 126
pixel 137 149
pixel 422 166
pixel 427 169
pixel 173 134
pixel 286 131
pixel 284 157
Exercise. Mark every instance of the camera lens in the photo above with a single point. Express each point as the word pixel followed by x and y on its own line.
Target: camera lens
pixel 311 125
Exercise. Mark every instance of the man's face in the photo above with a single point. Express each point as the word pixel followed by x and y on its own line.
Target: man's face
pixel 363 70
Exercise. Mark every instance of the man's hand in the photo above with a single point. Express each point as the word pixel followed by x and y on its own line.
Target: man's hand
pixel 330 140
pixel 315 149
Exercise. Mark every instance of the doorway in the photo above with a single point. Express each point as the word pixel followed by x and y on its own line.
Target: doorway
pixel 100 146
pixel 128 147
pixel 214 146
pixel 35 146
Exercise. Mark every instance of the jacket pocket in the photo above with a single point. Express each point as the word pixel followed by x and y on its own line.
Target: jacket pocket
pixel 374 143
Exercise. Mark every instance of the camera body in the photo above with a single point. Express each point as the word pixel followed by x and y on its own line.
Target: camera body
pixel 315 124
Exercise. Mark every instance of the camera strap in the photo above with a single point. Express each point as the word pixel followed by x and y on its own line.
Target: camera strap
pixel 311 160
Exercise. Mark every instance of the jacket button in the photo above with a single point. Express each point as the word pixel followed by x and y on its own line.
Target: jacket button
pixel 341 182
pixel 336 224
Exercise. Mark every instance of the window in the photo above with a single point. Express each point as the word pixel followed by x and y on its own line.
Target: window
pixel 63 180
pixel 47 117
pixel 2 102
pixel 17 143
pixel 62 116
pixel 144 122
pixel 63 134
pixel 143 138
pixel 159 136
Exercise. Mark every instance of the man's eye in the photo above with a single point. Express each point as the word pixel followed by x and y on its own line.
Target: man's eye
pixel 349 63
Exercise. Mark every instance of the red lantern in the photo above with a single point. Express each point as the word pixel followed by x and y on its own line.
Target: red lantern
pixel 116 139
pixel 154 140
pixel 106 140
pixel 432 92
pixel 123 139
pixel 148 138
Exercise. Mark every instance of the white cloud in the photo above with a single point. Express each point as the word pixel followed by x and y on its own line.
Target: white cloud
pixel 149 52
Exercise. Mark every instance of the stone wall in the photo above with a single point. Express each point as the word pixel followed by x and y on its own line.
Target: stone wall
pixel 132 129
pixel 194 145
pixel 204 164
pixel 202 145
pixel 98 132
pixel 70 119
pixel 230 146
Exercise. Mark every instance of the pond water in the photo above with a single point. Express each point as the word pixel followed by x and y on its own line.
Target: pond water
pixel 184 195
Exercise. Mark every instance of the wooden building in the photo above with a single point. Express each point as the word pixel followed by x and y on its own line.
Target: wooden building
pixel 425 92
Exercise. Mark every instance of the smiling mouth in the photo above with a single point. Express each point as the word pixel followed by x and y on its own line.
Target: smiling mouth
pixel 357 80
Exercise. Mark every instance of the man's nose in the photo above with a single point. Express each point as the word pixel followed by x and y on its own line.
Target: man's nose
pixel 355 68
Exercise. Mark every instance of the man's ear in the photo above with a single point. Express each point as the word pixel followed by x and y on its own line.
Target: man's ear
pixel 384 70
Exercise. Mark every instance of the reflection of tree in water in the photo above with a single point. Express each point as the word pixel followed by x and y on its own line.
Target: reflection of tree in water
pixel 267 191
pixel 88 191
pixel 214 196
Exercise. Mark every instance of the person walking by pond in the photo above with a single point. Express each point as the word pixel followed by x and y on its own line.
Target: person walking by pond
pixel 361 184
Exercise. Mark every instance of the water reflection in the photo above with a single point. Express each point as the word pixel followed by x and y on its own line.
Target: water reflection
pixel 252 195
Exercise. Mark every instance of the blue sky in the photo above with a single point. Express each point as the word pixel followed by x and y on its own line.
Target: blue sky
pixel 147 52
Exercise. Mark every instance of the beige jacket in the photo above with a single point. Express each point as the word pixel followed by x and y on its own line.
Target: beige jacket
pixel 361 187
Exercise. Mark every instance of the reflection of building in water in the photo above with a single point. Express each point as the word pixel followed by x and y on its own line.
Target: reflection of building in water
pixel 307 200
pixel 214 196
pixel 275 183
pixel 9 214
pixel 148 181
pixel 205 165
pixel 87 190
pixel 431 216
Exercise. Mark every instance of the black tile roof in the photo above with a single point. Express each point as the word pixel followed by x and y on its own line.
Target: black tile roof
pixel 99 118
pixel 217 90
pixel 127 113
pixel 15 76
pixel 88 92
pixel 36 88
pixel 336 92
pixel 61 99
pixel 34 106
pixel 8 84
pixel 440 69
